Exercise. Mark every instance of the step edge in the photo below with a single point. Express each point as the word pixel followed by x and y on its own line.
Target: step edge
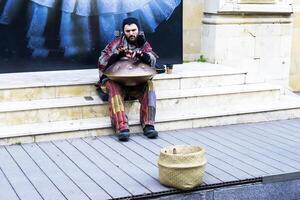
pixel 158 77
pixel 135 121
pixel 79 101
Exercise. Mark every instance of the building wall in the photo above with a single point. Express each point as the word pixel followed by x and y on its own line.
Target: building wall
pixel 255 38
pixel 294 80
pixel 192 32
pixel 192 23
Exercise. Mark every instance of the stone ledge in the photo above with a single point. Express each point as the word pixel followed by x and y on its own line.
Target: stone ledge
pixel 256 19
pixel 256 8
pixel 90 76
pixel 287 108
pixel 232 6
pixel 166 94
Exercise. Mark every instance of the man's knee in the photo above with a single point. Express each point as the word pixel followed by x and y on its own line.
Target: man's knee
pixel 150 85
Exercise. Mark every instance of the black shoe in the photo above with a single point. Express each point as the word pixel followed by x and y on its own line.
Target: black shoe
pixel 150 132
pixel 124 135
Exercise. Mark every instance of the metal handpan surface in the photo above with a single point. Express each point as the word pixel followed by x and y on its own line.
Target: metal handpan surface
pixel 129 73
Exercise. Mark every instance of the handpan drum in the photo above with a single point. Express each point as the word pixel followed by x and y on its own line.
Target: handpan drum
pixel 129 72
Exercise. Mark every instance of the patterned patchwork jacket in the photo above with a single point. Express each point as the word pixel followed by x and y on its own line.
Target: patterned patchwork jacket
pixel 121 41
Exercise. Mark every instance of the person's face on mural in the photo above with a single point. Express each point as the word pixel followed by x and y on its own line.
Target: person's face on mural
pixel 131 32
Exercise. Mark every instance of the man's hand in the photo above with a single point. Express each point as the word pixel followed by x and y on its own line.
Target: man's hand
pixel 130 53
pixel 138 54
pixel 142 56
pixel 121 52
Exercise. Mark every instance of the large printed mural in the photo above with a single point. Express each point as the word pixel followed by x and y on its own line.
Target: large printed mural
pixel 69 34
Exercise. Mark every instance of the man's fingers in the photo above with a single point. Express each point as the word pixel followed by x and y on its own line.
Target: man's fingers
pixel 134 54
pixel 121 49
pixel 139 54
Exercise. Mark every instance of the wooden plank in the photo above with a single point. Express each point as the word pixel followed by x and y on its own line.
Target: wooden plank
pixel 160 142
pixel 143 158
pixel 240 133
pixel 240 138
pixel 292 132
pixel 252 171
pixel 296 119
pixel 109 168
pixel 146 143
pixel 36 176
pixel 293 122
pixel 270 165
pixel 246 156
pixel 142 152
pixel 276 142
pixel 144 164
pixel 260 135
pixel 283 132
pixel 216 158
pixel 108 184
pixel 240 151
pixel 147 149
pixel 6 190
pixel 287 122
pixel 16 177
pixel 157 144
pixel 91 189
pixel 278 136
pixel 267 129
pixel 168 137
pixel 57 176
pixel 136 173
pixel 211 169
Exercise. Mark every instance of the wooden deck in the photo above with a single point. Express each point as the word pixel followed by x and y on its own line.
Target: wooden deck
pixel 103 168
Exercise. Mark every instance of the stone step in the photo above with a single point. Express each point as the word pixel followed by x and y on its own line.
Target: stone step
pixel 57 84
pixel 284 108
pixel 186 101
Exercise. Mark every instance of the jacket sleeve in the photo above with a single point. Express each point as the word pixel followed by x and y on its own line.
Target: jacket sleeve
pixel 150 56
pixel 108 55
pixel 104 57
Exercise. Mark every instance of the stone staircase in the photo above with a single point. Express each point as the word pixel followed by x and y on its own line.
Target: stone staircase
pixel 45 106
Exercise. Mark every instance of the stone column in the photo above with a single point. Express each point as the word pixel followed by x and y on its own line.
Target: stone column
pixel 295 63
pixel 192 27
pixel 251 35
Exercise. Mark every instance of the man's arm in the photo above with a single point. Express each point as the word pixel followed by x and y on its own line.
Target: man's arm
pixel 109 55
pixel 147 55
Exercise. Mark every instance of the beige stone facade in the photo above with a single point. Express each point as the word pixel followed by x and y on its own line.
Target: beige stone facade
pixel 280 63
pixel 192 27
pixel 294 80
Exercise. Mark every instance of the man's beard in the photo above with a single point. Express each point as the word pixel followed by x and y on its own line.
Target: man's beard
pixel 131 39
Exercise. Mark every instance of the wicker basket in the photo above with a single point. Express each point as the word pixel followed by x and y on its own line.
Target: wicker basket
pixel 181 166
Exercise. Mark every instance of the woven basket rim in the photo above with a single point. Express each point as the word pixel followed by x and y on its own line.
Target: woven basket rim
pixel 202 150
pixel 202 164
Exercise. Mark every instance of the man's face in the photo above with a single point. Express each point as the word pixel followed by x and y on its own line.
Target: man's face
pixel 131 32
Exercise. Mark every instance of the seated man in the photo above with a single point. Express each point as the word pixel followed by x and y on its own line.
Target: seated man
pixel 133 45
